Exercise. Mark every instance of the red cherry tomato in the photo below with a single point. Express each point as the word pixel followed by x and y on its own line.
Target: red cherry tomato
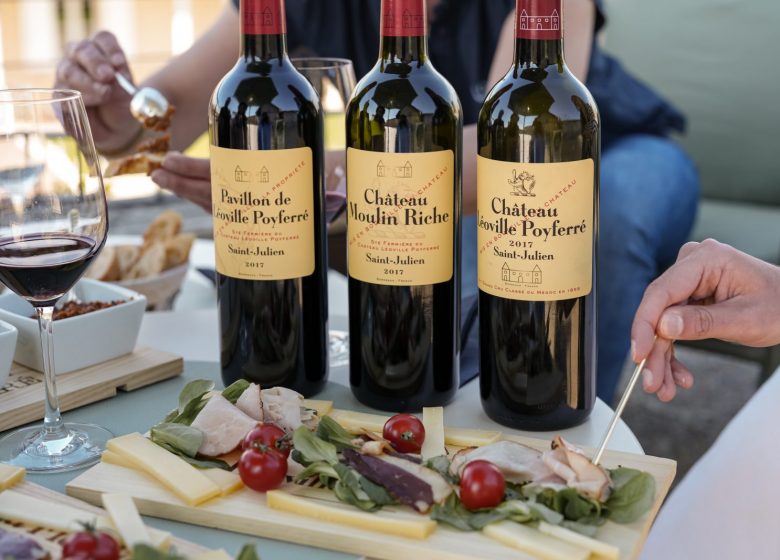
pixel 482 485
pixel 271 436
pixel 405 433
pixel 262 469
pixel 89 545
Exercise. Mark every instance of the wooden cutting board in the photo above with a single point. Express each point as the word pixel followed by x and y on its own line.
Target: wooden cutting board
pixel 21 399
pixel 247 512
pixel 57 538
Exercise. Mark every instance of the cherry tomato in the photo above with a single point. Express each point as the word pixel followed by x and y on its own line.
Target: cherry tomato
pixel 262 469
pixel 269 435
pixel 405 433
pixel 482 485
pixel 89 545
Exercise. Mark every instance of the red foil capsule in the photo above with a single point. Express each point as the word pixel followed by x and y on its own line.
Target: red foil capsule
pixel 404 18
pixel 263 17
pixel 539 19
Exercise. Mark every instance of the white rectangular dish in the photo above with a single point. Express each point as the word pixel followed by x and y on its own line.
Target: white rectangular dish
pixel 81 341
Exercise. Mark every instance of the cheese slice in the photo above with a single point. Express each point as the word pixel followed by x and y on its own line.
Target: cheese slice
pixel 402 524
pixel 10 475
pixel 184 480
pixel 433 445
pixel 213 555
pixel 227 481
pixel 466 437
pixel 323 408
pixel 15 506
pixel 533 542
pixel 598 549
pixel 119 460
pixel 126 520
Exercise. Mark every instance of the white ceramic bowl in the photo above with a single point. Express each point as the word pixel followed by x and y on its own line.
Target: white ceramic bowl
pixel 159 289
pixel 8 334
pixel 80 341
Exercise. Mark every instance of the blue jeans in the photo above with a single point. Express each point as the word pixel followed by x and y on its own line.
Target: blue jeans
pixel 649 195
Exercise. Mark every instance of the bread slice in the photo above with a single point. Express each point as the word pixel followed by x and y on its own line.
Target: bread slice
pixel 127 255
pixel 164 227
pixel 151 263
pixel 105 267
pixel 177 250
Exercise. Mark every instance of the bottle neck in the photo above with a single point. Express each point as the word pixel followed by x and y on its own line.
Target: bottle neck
pixel 404 31
pixel 539 32
pixel 263 30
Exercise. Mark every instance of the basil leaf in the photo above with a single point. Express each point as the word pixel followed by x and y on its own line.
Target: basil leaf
pixel 441 465
pixel 513 491
pixel 235 390
pixel 184 438
pixel 633 495
pixel 541 512
pixel 453 513
pixel 197 463
pixel 567 502
pixel 481 519
pixel 345 494
pixel 194 390
pixel 247 552
pixel 146 552
pixel 320 469
pixel 332 432
pixel 376 493
pixel 312 448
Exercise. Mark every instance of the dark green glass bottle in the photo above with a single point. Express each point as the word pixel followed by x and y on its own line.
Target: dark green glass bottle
pixel 404 138
pixel 265 125
pixel 538 176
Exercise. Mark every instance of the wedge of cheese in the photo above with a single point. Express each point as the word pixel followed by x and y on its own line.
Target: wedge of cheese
pixel 126 520
pixel 323 408
pixel 227 481
pixel 598 549
pixel 181 478
pixel 533 542
pixel 10 476
pixel 433 421
pixel 402 524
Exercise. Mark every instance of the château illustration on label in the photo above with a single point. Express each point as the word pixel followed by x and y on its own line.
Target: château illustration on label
pixel 265 124
pixel 537 205
pixel 404 154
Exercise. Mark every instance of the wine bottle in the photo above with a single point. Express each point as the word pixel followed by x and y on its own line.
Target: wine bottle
pixel 404 157
pixel 265 124
pixel 537 204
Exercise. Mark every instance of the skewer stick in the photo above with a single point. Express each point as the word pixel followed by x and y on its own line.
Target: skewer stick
pixel 619 409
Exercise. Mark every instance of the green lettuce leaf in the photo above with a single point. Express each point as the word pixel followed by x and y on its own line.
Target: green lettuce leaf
pixel 633 495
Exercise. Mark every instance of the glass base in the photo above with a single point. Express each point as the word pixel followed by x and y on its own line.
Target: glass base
pixel 32 449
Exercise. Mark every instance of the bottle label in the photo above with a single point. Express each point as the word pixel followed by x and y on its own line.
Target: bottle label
pixel 404 18
pixel 400 217
pixel 263 208
pixel 535 229
pixel 263 17
pixel 539 19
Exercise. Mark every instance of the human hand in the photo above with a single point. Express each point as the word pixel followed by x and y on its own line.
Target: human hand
pixel 90 67
pixel 188 177
pixel 712 291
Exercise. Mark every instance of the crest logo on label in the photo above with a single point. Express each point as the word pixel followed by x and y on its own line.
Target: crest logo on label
pixel 522 184
pixel 405 171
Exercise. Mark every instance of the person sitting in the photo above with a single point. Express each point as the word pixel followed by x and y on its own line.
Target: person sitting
pixel 727 506
pixel 649 186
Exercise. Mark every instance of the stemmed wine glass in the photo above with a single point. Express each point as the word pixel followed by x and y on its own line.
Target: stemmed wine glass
pixel 53 222
pixel 334 79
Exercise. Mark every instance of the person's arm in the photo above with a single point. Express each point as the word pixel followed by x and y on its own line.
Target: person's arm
pixel 579 22
pixel 712 291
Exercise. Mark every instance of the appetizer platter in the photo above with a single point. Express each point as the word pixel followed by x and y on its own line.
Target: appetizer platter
pixel 39 524
pixel 266 462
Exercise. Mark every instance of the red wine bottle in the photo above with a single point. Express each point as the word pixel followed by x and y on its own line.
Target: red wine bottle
pixel 537 204
pixel 265 124
pixel 404 136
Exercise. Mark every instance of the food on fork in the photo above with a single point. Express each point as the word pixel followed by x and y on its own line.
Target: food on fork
pixel 149 154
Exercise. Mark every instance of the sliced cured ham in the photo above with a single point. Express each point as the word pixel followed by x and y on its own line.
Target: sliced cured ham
pixel 223 426
pixel 250 402
pixel 518 463
pixel 576 469
pixel 282 407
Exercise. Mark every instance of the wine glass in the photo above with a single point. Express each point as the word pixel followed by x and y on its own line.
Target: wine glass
pixel 53 223
pixel 334 80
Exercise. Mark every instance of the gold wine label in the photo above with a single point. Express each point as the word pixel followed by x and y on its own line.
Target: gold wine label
pixel 535 236
pixel 401 217
pixel 263 208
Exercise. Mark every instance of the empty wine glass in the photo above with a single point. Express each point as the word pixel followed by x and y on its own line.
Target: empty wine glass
pixel 334 79
pixel 53 222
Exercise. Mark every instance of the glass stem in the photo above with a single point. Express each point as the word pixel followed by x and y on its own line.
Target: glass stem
pixel 53 426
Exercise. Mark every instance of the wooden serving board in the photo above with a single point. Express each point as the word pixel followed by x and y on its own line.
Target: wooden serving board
pixel 246 512
pixel 21 399
pixel 57 537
